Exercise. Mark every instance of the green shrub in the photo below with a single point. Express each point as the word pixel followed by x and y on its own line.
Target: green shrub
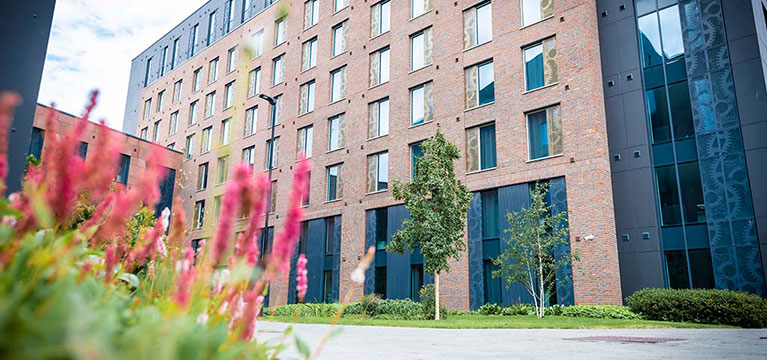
pixel 518 309
pixel 304 310
pixel 701 306
pixel 427 300
pixel 490 309
pixel 600 312
pixel 554 310
pixel 399 309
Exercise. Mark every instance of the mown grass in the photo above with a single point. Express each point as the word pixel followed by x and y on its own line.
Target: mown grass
pixel 475 321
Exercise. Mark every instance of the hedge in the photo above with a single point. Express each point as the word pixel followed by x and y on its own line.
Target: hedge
pixel 600 312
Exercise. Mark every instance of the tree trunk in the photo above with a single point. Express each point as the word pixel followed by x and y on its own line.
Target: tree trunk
pixel 541 294
pixel 436 296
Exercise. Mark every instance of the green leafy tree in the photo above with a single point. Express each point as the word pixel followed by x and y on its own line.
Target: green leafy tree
pixel 141 222
pixel 438 206
pixel 533 248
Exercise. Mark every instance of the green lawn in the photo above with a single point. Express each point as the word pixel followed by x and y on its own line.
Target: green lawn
pixel 499 322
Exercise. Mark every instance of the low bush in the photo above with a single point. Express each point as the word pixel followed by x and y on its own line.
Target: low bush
pixel 427 300
pixel 304 310
pixel 491 309
pixel 706 306
pixel 600 312
pixel 518 309
pixel 400 309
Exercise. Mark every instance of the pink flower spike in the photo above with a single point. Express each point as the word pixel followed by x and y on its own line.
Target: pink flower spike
pixel 184 278
pixel 302 281
pixel 229 207
pixel 285 242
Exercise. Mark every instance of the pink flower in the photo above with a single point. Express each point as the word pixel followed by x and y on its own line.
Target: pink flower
pixel 247 244
pixel 111 261
pixel 184 278
pixel 302 282
pixel 229 207
pixel 285 242
pixel 254 301
pixel 152 243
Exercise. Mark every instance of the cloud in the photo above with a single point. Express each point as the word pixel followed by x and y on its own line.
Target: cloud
pixel 92 44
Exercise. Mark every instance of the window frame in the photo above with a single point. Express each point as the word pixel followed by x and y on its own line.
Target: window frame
pixel 337 167
pixel 527 129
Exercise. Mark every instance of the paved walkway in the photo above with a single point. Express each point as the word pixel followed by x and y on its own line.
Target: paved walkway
pixel 375 342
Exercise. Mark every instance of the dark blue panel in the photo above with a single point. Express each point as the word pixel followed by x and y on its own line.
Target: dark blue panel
pixel 558 199
pixel 166 192
pixel 292 296
pixel 336 258
pixel 476 284
pixel 315 252
pixel 397 265
pixel 370 231
pixel 510 199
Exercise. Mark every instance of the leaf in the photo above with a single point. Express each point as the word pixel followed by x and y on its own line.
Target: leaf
pixel 131 279
pixel 303 348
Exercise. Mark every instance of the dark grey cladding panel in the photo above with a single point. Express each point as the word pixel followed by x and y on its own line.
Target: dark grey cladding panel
pixel 510 199
pixel 397 265
pixel 315 254
pixel 370 240
pixel 564 277
pixel 641 270
pixel 336 257
pixel 476 281
pixel 292 294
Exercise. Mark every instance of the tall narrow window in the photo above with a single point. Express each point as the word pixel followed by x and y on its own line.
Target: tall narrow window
pixel 193 112
pixel 249 155
pixel 420 49
pixel 257 43
pixel 223 169
pixel 335 187
pixel 534 11
pixel 160 100
pixel 419 7
pixel 82 151
pixel 338 84
pixel 544 129
pixel 147 108
pixel 123 169
pixel 206 139
pixel 217 210
pixel 327 286
pixel 163 60
pixel 480 85
pixel 196 80
pixel 193 39
pixel 541 64
pixel 173 123
pixel 280 31
pixel 340 5
pixel 339 38
pixel 202 176
pixel 278 69
pixel 225 131
pixel 174 53
pixel 421 104
pixel 380 18
pixel 480 148
pixel 229 95
pixel 156 131
pixel 188 147
pixel 177 91
pixel 148 71
pixel 210 104
pixel 306 104
pixel 199 214
pixel 477 25
pixel 212 28
pixel 378 172
pixel 250 120
pixel 246 10
pixel 309 54
pixel 272 153
pixel 231 63
pixel 277 118
pixel 229 16
pixel 144 133
pixel 273 202
pixel 416 281
pixel 378 118
pixel 415 153
pixel 304 141
pixel 379 67
pixel 213 70
pixel 311 13
pixel 254 81
pixel 336 132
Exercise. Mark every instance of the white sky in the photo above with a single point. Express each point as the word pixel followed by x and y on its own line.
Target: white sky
pixel 92 44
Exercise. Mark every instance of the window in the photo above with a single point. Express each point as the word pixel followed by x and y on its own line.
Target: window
pixel 229 16
pixel 160 100
pixel 250 120
pixel 123 169
pixel 277 119
pixel 379 67
pixel 327 286
pixel 229 95
pixel 336 132
pixel 544 129
pixel 248 155
pixel 339 38
pixel 273 201
pixel 206 138
pixel 477 25
pixel 307 98
pixel 211 28
pixel 378 118
pixel 421 107
pixel 692 210
pixel 416 281
pixel 199 213
pixel 163 60
pixel 193 112
pixel 177 91
pixel 257 42
pixel 272 160
pixel 196 77
pixel 36 142
pixel 338 85
pixel 420 49
pixel 223 169
pixel 380 281
pixel 534 11
pixel 380 18
pixel 246 10
pixel 480 148
pixel 340 5
pixel 147 108
pixel 148 71
pixel 231 63
pixel 491 228
pixel 304 142
pixel 144 133
pixel 279 31
pixel 202 176
pixel 225 131
pixel 156 131
pixel 416 152
pixel 217 210
pixel 173 123
pixel 174 55
pixel 193 39
pixel 335 184
pixel 491 284
pixel 378 172
pixel 278 68
pixel 254 81
pixel 311 13
pixel 480 86
pixel 541 64
pixel 213 70
pixel 330 235
pixel 171 146
pixel 305 200
pixel 188 147
pixel 210 104
pixel 309 54
pixel 419 7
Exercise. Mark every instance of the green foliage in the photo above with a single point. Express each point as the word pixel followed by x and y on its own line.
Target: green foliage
pixel 438 206
pixel 553 310
pixel 369 306
pixel 427 301
pixel 141 222
pixel 706 306
pixel 400 309
pixel 533 253
pixel 31 160
pixel 491 309
pixel 304 310
pixel 520 309
pixel 600 312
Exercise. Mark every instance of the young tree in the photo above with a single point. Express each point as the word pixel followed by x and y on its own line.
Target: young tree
pixel 438 206
pixel 534 246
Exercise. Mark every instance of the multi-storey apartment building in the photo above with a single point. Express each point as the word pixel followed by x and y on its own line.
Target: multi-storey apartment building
pixel 359 84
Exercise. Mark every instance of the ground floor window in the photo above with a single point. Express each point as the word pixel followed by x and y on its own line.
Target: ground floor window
pixel 416 281
pixel 380 281
pixel 327 287
pixel 492 285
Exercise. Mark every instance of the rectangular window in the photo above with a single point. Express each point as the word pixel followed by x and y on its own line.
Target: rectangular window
pixel 213 70
pixel 217 210
pixel 257 42
pixel 211 28
pixel 249 155
pixel 202 176
pixel 199 214
pixel 340 5
pixel 83 150
pixel 148 71
pixel 544 129
pixel 229 95
pixel 206 139
pixel 188 147
pixel 254 81
pixel 420 49
pixel 196 78
pixel 223 169
pixel 480 85
pixel 278 69
pixel 272 160
pixel 336 132
pixel 210 104
pixel 311 13
pixel 174 55
pixel 277 119
pixel 480 148
pixel 177 91
pixel 225 131
pixel 163 60
pixel 415 153
pixel 309 54
pixel 330 235
pixel 380 281
pixel 173 123
pixel 123 169
pixel 36 142
pixel 273 201
pixel 335 186
pixel 305 200
pixel 144 133
pixel 250 120
pixel 193 39
pixel 193 112
pixel 246 10
pixel 378 172
pixel 339 38
pixel 160 100
pixel 338 85
pixel 378 118
pixel 419 7
pixel 231 63
pixel 379 67
pixel 228 16
pixel 382 219
pixel 477 25
pixel 491 228
pixel 280 31
pixel 491 284
pixel 416 281
pixel 306 104
pixel 380 18
pixel 421 106
pixel 156 131
pixel 534 11
pixel 327 286
pixel 147 108
pixel 304 141
pixel 541 64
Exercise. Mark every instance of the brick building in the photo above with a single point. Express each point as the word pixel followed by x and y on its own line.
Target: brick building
pixel 360 84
